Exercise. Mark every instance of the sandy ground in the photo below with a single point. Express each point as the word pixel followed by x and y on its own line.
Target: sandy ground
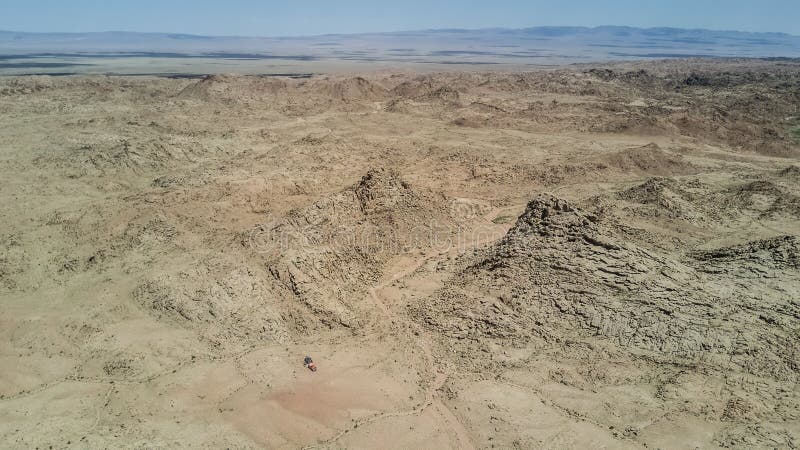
pixel 599 257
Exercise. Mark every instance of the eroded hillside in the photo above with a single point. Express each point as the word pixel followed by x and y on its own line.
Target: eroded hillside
pixel 583 257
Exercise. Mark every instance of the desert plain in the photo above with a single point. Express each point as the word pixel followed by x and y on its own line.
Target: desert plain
pixel 589 256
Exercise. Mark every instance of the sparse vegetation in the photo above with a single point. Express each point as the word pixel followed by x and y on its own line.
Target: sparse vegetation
pixel 503 219
pixel 796 133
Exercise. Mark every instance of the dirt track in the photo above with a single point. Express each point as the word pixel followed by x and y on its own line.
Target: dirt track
pixel 587 257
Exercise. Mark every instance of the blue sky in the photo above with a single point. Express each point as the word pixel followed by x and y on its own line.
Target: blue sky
pixel 293 17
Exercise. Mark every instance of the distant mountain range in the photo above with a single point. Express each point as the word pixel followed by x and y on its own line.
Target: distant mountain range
pixel 536 46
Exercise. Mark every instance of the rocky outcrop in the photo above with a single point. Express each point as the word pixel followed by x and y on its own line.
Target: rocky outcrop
pixel 328 253
pixel 562 273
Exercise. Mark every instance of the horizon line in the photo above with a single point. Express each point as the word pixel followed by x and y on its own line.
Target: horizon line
pixel 222 36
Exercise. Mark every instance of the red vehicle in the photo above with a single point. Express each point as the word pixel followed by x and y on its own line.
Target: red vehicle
pixel 309 363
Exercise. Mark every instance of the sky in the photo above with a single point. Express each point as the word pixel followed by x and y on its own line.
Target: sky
pixel 311 17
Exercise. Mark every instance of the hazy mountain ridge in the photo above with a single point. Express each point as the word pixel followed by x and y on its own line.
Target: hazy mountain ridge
pixel 599 36
pixel 23 53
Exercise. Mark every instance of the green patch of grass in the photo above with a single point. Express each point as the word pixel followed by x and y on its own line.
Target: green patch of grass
pixel 502 219
pixel 796 132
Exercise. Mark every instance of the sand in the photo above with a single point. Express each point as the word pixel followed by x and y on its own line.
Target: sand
pixel 595 256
